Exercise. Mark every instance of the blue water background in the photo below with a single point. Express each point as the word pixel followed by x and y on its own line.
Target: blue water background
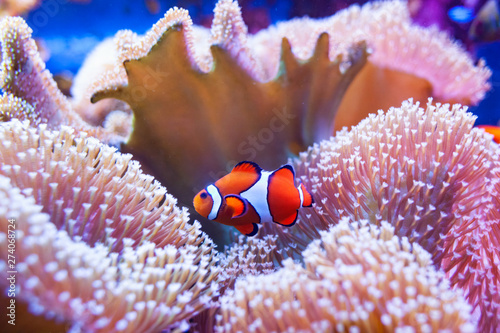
pixel 70 30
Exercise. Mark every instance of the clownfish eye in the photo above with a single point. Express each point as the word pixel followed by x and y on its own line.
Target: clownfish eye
pixel 203 195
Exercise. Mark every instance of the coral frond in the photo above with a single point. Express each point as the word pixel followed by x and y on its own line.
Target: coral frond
pixel 358 277
pixel 30 92
pixel 98 243
pixel 23 73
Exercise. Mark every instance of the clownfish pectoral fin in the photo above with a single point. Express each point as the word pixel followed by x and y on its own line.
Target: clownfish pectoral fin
pixel 237 204
pixel 249 229
pixel 307 198
pixel 290 220
pixel 247 166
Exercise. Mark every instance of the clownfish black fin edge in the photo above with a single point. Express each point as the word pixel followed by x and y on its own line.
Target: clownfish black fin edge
pixel 247 166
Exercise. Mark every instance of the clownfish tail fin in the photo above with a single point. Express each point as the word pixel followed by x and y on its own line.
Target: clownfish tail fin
pixel 308 199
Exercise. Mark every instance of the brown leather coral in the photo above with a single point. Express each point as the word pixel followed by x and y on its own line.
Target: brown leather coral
pixel 199 111
pixel 407 61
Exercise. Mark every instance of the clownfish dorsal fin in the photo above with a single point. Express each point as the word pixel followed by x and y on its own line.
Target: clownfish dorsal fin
pixel 237 204
pixel 285 171
pixel 249 229
pixel 247 166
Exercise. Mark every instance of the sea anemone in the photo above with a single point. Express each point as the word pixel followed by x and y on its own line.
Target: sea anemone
pixel 98 243
pixel 428 173
pixel 472 260
pixel 358 277
pixel 252 256
pixel 29 91
pixel 245 257
pixel 421 170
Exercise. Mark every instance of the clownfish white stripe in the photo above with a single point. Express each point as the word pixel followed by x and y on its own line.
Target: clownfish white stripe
pixel 217 199
pixel 255 195
pixel 301 195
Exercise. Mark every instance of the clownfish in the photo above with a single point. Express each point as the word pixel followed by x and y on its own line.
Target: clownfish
pixel 249 195
pixel 493 130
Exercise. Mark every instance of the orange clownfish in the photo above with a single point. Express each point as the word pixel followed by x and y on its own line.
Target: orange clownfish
pixel 249 195
pixel 493 130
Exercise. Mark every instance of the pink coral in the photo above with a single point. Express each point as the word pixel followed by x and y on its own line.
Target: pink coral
pixel 422 170
pixel 32 82
pixel 406 60
pixel 99 243
pixel 427 172
pixel 472 260
pixel 30 92
pixel 358 277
